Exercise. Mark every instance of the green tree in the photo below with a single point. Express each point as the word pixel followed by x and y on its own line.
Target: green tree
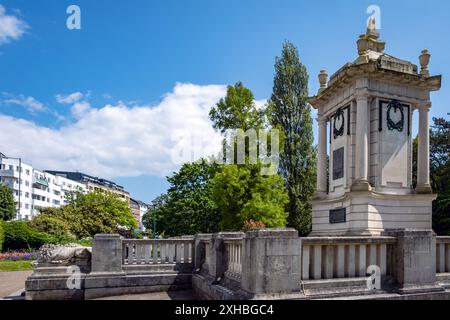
pixel 88 214
pixel 290 112
pixel 243 194
pixel 440 174
pixel 240 192
pixel 237 110
pixel 188 207
pixel 7 206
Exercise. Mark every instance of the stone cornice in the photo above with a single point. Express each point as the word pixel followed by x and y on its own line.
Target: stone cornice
pixel 350 72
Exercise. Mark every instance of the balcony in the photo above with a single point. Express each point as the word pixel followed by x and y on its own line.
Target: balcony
pixel 9 173
pixel 41 182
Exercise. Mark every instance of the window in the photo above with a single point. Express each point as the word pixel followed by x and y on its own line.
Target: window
pixel 27 206
pixel 27 172
pixel 27 194
pixel 27 183
pixel 11 167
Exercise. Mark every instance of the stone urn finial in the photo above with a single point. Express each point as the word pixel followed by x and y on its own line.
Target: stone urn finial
pixel 424 60
pixel 323 77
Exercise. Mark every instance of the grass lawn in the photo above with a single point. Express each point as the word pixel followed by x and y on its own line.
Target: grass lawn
pixel 22 265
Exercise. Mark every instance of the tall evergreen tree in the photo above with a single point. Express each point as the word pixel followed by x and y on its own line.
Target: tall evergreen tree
pixel 7 206
pixel 291 113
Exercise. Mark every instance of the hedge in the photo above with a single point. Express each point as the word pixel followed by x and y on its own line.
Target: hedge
pixel 2 235
pixel 18 235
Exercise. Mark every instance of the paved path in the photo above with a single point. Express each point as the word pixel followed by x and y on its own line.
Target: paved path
pixel 173 295
pixel 11 282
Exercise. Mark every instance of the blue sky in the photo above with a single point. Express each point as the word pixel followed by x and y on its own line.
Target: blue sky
pixel 148 68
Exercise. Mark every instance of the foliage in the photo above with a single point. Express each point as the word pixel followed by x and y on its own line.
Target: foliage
pixel 440 174
pixel 87 215
pixel 236 111
pixel 440 155
pixel 50 223
pixel 251 224
pixel 441 214
pixel 188 207
pixel 290 112
pixel 7 206
pixel 19 235
pixel 2 236
pixel 242 194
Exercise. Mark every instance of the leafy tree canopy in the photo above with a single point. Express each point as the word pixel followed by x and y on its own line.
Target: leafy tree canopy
pixel 7 205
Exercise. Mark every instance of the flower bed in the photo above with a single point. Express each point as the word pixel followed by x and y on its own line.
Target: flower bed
pixel 18 256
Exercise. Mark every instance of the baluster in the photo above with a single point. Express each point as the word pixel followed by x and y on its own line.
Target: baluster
pixel 351 261
pixel 381 258
pixel 305 262
pixel 440 263
pixel 340 261
pixel 317 262
pixel 179 251
pixel 361 258
pixel 124 253
pixel 155 252
pixel 329 261
pixel 447 259
pixel 240 258
pixel 372 255
pixel 186 252
pixel 147 252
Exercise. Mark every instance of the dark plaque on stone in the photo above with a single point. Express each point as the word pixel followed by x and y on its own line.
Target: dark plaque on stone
pixel 338 216
pixel 338 163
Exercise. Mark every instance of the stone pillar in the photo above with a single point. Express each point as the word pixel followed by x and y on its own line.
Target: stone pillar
pixel 322 160
pixel 361 182
pixel 217 252
pixel 107 253
pixel 423 154
pixel 271 262
pixel 414 263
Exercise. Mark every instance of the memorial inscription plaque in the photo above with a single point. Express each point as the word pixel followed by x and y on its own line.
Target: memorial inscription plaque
pixel 338 216
pixel 338 163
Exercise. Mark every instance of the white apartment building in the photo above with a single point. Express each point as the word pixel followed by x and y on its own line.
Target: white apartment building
pixel 33 188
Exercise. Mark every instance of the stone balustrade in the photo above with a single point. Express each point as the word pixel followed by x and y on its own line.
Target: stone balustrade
pixel 344 257
pixel 258 264
pixel 151 252
pixel 442 254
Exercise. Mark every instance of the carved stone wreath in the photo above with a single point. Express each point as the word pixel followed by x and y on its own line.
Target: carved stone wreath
pixel 337 132
pixel 391 124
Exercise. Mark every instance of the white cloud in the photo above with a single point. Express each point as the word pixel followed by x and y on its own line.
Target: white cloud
pixel 69 99
pixel 30 103
pixel 11 27
pixel 118 140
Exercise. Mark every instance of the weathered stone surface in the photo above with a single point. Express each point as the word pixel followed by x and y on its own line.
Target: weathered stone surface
pixel 107 253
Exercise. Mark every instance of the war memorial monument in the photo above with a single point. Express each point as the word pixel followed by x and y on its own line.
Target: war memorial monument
pixel 372 234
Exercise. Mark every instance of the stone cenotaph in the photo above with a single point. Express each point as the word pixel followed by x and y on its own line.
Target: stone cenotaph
pixel 364 167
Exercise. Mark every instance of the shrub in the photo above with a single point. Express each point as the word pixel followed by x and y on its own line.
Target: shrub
pixel 251 224
pixel 19 236
pixel 51 225
pixel 2 235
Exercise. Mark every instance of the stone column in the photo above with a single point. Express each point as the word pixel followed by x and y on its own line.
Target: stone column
pixel 271 262
pixel 361 182
pixel 423 154
pixel 322 159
